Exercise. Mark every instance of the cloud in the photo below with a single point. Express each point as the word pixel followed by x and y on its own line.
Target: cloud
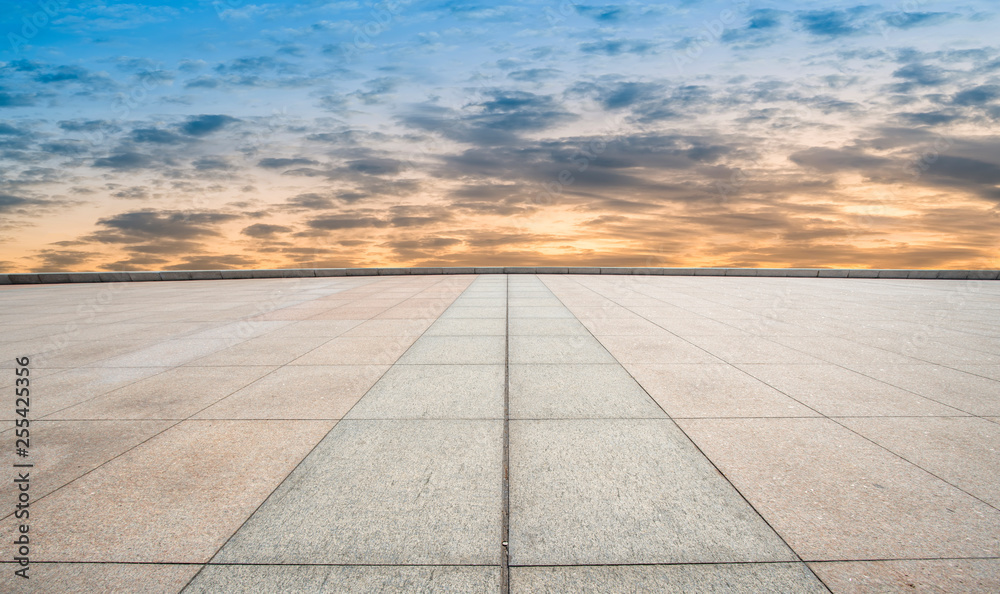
pixel 499 119
pixel 835 160
pixel 346 221
pixel 977 95
pixel 16 99
pixel 617 47
pixel 206 124
pixel 133 193
pixel 151 225
pixel 156 136
pixel 264 230
pixel 281 163
pixel 533 74
pixel 921 75
pixel 374 166
pixel 910 20
pixel 8 130
pixel 126 161
pixel 11 204
pixel 763 27
pixel 832 23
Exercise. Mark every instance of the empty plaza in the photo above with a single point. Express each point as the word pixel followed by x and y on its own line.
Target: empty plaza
pixel 506 432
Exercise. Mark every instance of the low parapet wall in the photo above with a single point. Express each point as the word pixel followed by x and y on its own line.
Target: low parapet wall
pixel 176 275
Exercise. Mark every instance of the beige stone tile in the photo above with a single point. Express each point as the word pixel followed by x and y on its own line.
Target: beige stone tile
pixel 55 389
pixel 174 394
pixel 348 312
pixel 391 327
pixel 63 451
pixel 327 328
pixel 714 390
pixel 652 350
pixel 964 451
pixel 623 327
pixel 970 393
pixel 835 391
pixel 484 579
pixel 834 495
pixel 358 350
pixel 77 353
pixel 88 578
pixel 175 498
pixel 929 575
pixel 702 578
pixel 299 392
pixel 743 348
pixel 166 353
pixel 266 350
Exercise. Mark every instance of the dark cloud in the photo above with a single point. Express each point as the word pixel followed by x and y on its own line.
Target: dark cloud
pixel 211 164
pixel 10 203
pixel 8 130
pixel 264 230
pixel 909 20
pixel 126 161
pixel 617 47
pixel 832 23
pixel 603 14
pixel 151 225
pixel 494 121
pixel 921 75
pixel 156 136
pixel 52 260
pixel 133 193
pixel 206 124
pixel 929 118
pixel 67 148
pixel 835 160
pixel 375 166
pixel 16 99
pixel 533 74
pixel 281 163
pixel 977 95
pixel 762 28
pixel 312 201
pixel 346 221
pixel 87 125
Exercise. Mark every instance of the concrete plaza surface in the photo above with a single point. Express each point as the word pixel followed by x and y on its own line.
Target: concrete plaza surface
pixel 484 433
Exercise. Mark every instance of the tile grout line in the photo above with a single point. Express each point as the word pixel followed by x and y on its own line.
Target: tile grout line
pixel 696 446
pixel 505 489
pixel 487 565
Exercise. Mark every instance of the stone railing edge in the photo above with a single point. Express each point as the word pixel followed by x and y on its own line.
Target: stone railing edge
pixel 176 275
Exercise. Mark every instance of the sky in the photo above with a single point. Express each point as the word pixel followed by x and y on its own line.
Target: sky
pixel 229 134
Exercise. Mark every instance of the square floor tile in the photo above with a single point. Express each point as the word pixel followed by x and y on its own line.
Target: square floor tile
pixel 174 499
pixel 435 392
pixel 625 492
pixel 835 495
pixel 456 350
pixel 384 492
pixel 577 391
pixel 299 392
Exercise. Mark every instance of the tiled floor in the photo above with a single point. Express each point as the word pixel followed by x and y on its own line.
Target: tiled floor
pixel 525 433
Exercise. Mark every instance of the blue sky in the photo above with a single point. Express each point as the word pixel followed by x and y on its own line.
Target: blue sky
pixel 176 135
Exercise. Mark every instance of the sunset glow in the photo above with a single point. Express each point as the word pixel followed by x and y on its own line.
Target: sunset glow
pixel 227 134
